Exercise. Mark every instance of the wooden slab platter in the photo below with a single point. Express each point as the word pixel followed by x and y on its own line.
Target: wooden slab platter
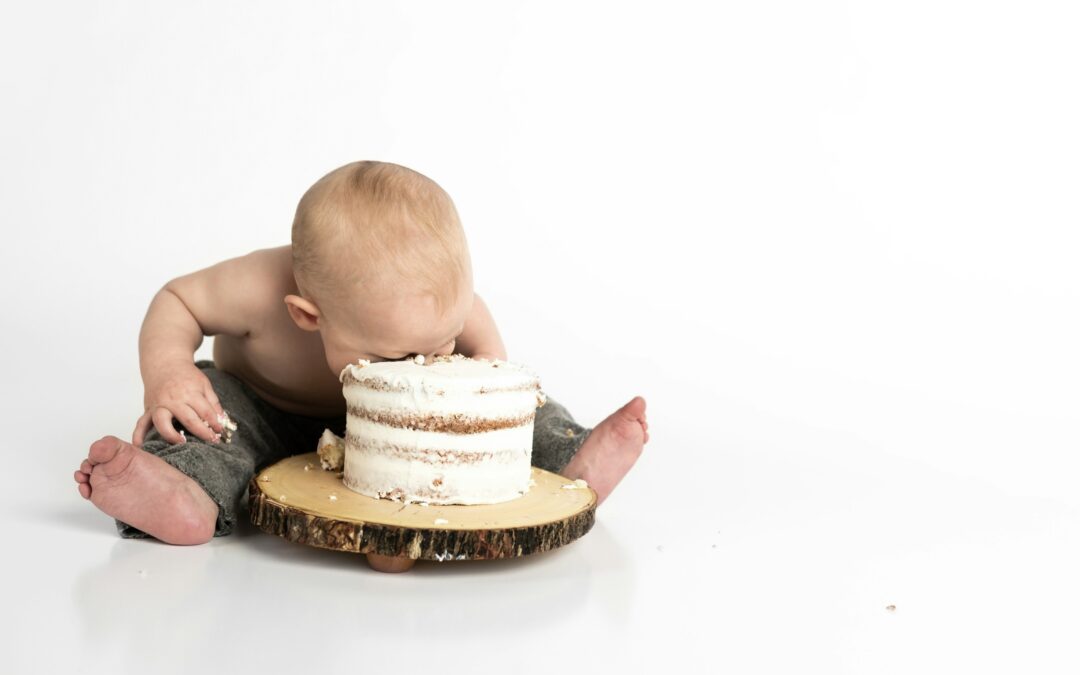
pixel 298 500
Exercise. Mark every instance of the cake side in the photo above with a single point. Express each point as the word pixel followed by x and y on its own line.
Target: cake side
pixel 428 468
pixel 457 431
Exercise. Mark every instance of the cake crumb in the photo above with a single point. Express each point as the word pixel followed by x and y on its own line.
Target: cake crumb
pixel 419 359
pixel 890 608
pixel 333 497
pixel 283 498
pixel 570 433
pixel 331 451
pixel 227 425
pixel 308 466
pixel 265 479
pixel 441 521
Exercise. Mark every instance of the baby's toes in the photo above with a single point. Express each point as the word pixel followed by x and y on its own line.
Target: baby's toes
pixel 84 490
pixel 86 467
pixel 104 449
pixel 81 477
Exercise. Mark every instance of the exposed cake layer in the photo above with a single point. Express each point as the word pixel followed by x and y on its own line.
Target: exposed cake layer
pixel 437 477
pixel 452 423
pixel 359 430
pixel 437 456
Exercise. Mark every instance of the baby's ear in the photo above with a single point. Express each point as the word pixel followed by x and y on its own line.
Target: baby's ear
pixel 303 312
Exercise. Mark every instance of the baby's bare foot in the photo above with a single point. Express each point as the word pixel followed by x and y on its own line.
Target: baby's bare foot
pixel 146 492
pixel 611 449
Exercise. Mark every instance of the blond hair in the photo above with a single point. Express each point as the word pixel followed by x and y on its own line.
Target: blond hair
pixel 401 223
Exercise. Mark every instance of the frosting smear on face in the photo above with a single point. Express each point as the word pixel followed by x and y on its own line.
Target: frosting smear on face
pixel 453 431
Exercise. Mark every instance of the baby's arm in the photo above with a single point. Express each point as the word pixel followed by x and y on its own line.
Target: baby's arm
pixel 480 339
pixel 211 301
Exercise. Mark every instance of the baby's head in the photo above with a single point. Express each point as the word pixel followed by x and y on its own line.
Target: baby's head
pixel 382 265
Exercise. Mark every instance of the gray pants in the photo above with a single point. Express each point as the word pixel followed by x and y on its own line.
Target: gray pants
pixel 266 434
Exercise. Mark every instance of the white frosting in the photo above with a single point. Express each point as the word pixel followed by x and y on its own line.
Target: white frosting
pixel 448 387
pixel 374 433
pixel 425 400
pixel 450 374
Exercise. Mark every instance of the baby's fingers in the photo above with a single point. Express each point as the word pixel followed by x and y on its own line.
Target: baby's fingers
pixel 141 427
pixel 205 412
pixel 163 421
pixel 194 423
pixel 211 396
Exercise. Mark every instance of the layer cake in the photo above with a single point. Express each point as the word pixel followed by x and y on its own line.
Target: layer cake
pixel 454 431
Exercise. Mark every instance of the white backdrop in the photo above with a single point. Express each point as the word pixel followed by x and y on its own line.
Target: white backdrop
pixel 832 244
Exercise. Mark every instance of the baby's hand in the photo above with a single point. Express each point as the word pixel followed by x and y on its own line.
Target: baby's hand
pixel 185 393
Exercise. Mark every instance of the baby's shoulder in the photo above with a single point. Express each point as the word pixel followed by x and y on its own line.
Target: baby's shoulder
pixel 265 270
pixel 239 295
pixel 274 264
pixel 267 276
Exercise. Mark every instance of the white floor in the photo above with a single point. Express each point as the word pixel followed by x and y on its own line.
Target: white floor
pixel 763 559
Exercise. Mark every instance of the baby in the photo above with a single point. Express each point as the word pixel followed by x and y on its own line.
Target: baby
pixel 378 269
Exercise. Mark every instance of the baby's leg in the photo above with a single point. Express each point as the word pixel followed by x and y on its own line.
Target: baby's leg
pixel 556 436
pixel 600 455
pixel 222 470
